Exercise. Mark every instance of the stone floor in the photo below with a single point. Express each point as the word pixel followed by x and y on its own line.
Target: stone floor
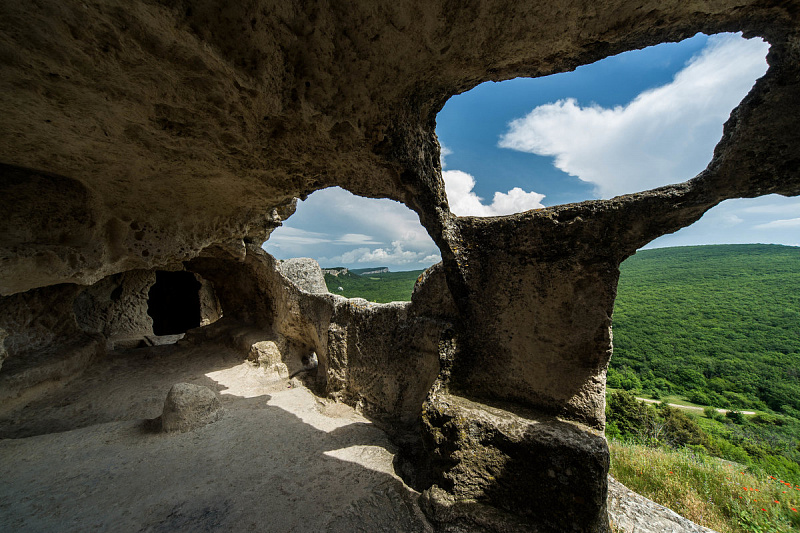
pixel 280 460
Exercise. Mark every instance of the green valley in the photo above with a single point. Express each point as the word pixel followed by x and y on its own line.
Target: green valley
pixel 380 287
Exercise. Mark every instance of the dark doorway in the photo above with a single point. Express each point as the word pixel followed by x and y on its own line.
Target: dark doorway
pixel 174 303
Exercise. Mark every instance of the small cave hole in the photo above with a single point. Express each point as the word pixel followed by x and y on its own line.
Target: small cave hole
pixel 116 294
pixel 174 302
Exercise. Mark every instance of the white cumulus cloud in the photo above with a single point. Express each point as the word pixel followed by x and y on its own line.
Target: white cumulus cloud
pixel 394 255
pixel 665 135
pixel 464 202
pixel 338 228
pixel 785 223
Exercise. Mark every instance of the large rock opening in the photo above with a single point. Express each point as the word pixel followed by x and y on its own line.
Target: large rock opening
pixel 147 136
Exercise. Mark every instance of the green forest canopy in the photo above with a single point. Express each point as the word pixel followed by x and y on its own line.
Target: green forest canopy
pixel 382 288
pixel 718 324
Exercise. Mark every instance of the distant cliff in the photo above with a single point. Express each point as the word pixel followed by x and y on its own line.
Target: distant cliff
pixel 338 271
pixel 371 270
pixel 335 271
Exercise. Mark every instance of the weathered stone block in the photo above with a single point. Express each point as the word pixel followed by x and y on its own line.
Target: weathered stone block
pixel 305 273
pixel 189 407
pixel 513 471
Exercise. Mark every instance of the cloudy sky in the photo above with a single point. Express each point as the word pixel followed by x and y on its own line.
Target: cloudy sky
pixel 628 123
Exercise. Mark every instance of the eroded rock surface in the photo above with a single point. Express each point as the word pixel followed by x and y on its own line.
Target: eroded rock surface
pixel 189 406
pixel 117 306
pixel 305 273
pixel 495 463
pixel 174 135
pixel 633 513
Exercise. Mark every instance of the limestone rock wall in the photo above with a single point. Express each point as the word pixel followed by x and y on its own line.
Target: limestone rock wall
pixel 210 310
pixel 42 342
pixel 37 319
pixel 116 306
pixel 146 135
pixel 382 357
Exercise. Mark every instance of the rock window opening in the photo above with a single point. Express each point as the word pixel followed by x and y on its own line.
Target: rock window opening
pixel 631 122
pixel 367 248
pixel 712 331
pixel 174 303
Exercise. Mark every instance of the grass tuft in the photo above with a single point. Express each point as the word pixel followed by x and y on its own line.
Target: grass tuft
pixel 713 493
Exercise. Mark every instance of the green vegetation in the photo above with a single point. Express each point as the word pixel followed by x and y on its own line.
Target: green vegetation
pixel 717 325
pixel 710 492
pixel 381 288
pixel 764 443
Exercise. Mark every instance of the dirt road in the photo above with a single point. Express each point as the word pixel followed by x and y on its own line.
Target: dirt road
pixel 692 408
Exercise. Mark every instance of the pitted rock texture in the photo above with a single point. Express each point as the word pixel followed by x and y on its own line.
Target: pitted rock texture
pixel 495 463
pixel 117 305
pixel 305 273
pixel 189 406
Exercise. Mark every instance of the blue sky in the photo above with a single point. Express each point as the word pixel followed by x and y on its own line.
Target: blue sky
pixel 628 123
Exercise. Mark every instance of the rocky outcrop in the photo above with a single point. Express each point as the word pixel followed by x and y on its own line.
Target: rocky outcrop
pixel 495 464
pixel 335 271
pixel 381 270
pixel 305 273
pixel 631 512
pixel 138 137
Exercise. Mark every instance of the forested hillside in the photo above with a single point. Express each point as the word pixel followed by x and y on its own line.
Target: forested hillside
pixel 380 287
pixel 717 324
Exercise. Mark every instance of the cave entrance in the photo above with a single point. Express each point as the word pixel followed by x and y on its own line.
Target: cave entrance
pixel 174 302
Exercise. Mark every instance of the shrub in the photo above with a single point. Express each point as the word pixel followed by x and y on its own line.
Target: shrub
pixel 699 398
pixel 735 416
